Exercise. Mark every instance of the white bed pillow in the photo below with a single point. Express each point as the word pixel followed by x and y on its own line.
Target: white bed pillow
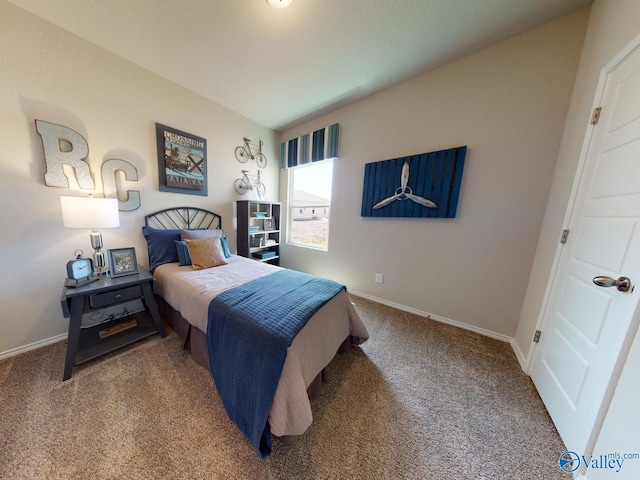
pixel 196 234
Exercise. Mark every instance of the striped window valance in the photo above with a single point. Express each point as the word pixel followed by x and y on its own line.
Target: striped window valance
pixel 312 147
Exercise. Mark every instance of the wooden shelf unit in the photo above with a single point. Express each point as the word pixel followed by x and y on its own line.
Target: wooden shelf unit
pixel 259 233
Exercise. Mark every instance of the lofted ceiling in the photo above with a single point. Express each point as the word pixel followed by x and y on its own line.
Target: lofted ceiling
pixel 280 67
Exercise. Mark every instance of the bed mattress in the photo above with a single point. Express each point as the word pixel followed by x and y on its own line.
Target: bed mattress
pixel 190 291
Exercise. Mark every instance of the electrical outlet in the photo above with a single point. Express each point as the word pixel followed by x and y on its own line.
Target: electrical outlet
pixel 379 278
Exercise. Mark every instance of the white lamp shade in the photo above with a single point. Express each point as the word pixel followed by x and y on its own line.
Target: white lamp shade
pixel 89 212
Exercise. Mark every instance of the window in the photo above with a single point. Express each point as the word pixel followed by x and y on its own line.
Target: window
pixel 310 204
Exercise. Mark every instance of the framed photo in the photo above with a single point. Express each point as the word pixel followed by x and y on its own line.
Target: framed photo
pixel 122 261
pixel 268 223
pixel 182 161
pixel 256 241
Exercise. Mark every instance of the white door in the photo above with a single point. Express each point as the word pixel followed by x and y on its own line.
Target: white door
pixel 585 326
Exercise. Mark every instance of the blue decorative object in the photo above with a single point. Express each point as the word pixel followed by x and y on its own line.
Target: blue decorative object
pixel 425 185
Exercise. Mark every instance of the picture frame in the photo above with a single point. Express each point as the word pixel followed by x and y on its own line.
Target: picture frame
pixel 182 161
pixel 268 223
pixel 256 241
pixel 122 261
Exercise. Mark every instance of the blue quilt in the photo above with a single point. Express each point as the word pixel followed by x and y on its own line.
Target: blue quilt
pixel 249 330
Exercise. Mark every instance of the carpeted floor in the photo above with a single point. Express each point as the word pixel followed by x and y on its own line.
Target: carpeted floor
pixel 419 400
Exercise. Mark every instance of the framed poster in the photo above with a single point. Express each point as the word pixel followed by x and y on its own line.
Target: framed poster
pixel 182 161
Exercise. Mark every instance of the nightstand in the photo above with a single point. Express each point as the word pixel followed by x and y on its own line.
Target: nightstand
pixel 85 344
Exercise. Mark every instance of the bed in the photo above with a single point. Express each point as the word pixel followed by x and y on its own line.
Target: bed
pixel 206 306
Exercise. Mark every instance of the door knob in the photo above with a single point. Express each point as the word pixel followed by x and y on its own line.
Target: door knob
pixel 623 283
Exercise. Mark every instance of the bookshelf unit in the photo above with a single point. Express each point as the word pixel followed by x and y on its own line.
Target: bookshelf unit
pixel 258 235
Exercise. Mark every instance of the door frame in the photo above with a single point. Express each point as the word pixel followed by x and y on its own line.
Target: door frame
pixel 610 67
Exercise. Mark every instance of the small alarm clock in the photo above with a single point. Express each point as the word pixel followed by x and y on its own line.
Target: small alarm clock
pixel 79 271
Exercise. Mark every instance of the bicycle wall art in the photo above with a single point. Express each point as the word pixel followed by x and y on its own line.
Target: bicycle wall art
pixel 244 153
pixel 182 161
pixel 244 184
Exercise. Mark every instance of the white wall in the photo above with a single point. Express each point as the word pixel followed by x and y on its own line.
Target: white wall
pixel 612 25
pixel 49 74
pixel 508 104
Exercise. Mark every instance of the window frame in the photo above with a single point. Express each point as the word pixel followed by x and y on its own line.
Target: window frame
pixel 293 206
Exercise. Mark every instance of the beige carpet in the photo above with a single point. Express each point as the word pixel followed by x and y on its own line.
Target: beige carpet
pixel 419 400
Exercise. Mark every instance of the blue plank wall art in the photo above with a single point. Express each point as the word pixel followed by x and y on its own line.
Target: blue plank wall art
pixel 425 185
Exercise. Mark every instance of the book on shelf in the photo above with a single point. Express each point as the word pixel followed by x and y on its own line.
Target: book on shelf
pixel 264 254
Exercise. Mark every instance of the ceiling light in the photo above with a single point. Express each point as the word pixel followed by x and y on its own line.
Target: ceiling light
pixel 280 3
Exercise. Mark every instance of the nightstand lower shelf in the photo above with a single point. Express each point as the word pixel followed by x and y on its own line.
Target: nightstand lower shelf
pixel 84 344
pixel 91 346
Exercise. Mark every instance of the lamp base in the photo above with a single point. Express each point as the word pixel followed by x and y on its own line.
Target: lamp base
pixel 99 262
pixel 100 266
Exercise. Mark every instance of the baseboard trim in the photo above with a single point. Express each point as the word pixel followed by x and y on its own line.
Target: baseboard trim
pixel 519 355
pixel 32 346
pixel 430 316
pixel 438 318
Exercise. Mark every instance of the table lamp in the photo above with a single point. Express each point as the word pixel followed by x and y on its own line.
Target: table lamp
pixel 94 213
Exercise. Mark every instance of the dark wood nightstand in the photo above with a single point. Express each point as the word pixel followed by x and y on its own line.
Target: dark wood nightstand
pixel 85 344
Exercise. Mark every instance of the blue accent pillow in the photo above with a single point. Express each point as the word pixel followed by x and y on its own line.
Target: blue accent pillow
pixel 183 253
pixel 225 246
pixel 161 246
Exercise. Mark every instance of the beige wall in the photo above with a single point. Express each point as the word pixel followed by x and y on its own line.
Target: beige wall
pixel 613 24
pixel 49 74
pixel 508 104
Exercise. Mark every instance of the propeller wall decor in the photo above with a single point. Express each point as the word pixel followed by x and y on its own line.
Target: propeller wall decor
pixel 405 192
